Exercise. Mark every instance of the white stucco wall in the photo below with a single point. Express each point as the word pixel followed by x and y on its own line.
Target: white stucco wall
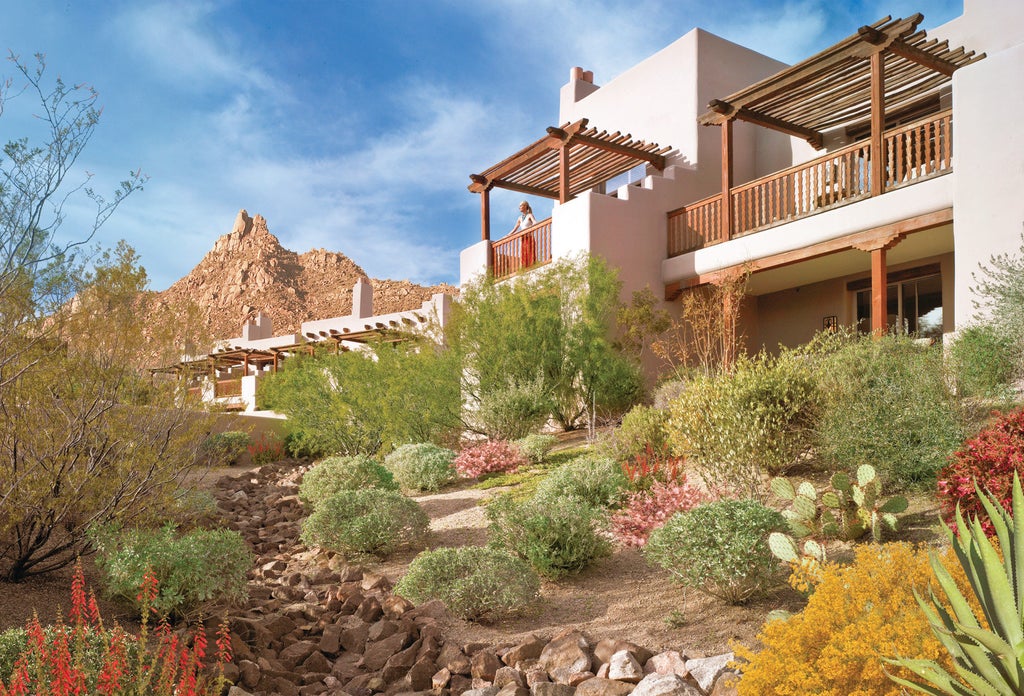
pixel 988 147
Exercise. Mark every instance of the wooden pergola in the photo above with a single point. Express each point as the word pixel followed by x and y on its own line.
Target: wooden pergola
pixel 886 71
pixel 568 160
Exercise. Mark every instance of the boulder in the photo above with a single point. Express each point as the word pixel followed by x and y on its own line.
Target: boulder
pixel 622 666
pixel 665 685
pixel 603 687
pixel 705 670
pixel 565 656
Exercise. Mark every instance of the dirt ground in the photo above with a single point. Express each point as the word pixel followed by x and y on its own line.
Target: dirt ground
pixel 619 596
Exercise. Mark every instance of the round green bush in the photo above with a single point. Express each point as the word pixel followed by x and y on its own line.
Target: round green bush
pixel 336 474
pixel 642 427
pixel 720 548
pixel 365 521
pixel 535 447
pixel 193 570
pixel 423 467
pixel 472 581
pixel 557 537
pixel 595 479
pixel 984 360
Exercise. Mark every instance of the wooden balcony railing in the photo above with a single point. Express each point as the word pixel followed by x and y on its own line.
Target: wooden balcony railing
pixel 522 250
pixel 227 387
pixel 912 153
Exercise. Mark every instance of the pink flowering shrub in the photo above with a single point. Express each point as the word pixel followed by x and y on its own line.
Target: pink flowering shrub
pixel 647 510
pixel 487 458
pixel 990 459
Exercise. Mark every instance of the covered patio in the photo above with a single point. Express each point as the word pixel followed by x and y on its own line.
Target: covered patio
pixel 877 99
pixel 567 161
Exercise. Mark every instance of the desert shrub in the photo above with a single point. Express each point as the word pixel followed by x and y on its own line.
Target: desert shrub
pixel 857 615
pixel 642 427
pixel 535 447
pixel 488 458
pixel 592 478
pixel 472 581
pixel 365 521
pixel 988 460
pixel 888 404
pixel 194 507
pixel 422 467
pixel 298 444
pixel 650 467
pixel 266 449
pixel 512 411
pixel 193 570
pixel 667 392
pixel 649 509
pixel 224 449
pixel 984 360
pixel 733 426
pixel 556 539
pixel 720 548
pixel 336 474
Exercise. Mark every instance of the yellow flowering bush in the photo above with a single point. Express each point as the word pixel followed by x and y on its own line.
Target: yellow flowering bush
pixel 857 615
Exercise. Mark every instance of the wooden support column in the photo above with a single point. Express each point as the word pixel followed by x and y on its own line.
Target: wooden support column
pixel 485 214
pixel 245 365
pixel 879 286
pixel 275 361
pixel 563 174
pixel 877 123
pixel 726 179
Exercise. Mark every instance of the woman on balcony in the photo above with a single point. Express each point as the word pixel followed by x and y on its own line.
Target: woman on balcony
pixel 528 248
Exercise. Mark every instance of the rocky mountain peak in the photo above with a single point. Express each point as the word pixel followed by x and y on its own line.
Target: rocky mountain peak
pixel 248 271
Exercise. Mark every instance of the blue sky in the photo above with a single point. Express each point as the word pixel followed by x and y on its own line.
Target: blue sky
pixel 353 125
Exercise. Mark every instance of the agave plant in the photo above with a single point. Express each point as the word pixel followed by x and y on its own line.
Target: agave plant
pixel 988 662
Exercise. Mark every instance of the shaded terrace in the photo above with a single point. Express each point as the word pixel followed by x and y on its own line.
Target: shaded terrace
pixel 567 161
pixel 879 91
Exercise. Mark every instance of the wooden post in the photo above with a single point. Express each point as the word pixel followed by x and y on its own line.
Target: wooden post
pixel 485 214
pixel 726 232
pixel 563 173
pixel 275 361
pixel 879 287
pixel 245 365
pixel 877 123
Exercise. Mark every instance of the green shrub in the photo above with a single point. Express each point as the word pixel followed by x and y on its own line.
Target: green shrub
pixel 887 403
pixel 194 507
pixel 556 538
pixel 734 426
pixel 720 548
pixel 472 581
pixel 365 521
pixel 643 426
pixel 336 474
pixel 512 412
pixel 201 567
pixel 14 642
pixel 535 447
pixel 224 449
pixel 984 360
pixel 423 467
pixel 298 444
pixel 595 479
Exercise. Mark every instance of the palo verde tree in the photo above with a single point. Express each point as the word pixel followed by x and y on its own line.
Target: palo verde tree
pixel 83 438
pixel 542 344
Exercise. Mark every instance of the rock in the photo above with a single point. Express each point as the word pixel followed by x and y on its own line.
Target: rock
pixel 604 650
pixel 603 687
pixel 420 675
pixel 381 630
pixel 705 670
pixel 369 610
pixel 668 662
pixel 377 654
pixel 440 679
pixel 580 677
pixel 482 691
pixel 330 641
pixel 395 606
pixel 459 684
pixel 317 663
pixel 235 691
pixel 453 659
pixel 508 675
pixel 399 663
pixel 726 684
pixel 566 656
pixel 551 689
pixel 513 690
pixel 248 674
pixel 483 665
pixel 623 667
pixel 536 676
pixel 353 638
pixel 284 687
pixel 665 685
pixel 528 650
pixel 297 652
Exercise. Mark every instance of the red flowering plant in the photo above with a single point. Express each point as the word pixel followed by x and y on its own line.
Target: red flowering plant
pixel 87 658
pixel 987 462
pixel 660 491
pixel 266 450
pixel 493 456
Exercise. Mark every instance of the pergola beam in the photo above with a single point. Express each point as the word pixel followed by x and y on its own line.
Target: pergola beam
pixel 916 55
pixel 813 137
pixel 657 160
pixel 523 188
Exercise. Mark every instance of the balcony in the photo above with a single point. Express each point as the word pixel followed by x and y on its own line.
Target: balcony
pixel 522 251
pixel 912 153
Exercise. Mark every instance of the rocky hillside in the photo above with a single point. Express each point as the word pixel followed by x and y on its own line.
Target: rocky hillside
pixel 248 271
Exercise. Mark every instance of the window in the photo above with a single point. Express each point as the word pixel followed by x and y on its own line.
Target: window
pixel 914 305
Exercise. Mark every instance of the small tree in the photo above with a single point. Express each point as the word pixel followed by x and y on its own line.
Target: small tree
pixel 549 331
